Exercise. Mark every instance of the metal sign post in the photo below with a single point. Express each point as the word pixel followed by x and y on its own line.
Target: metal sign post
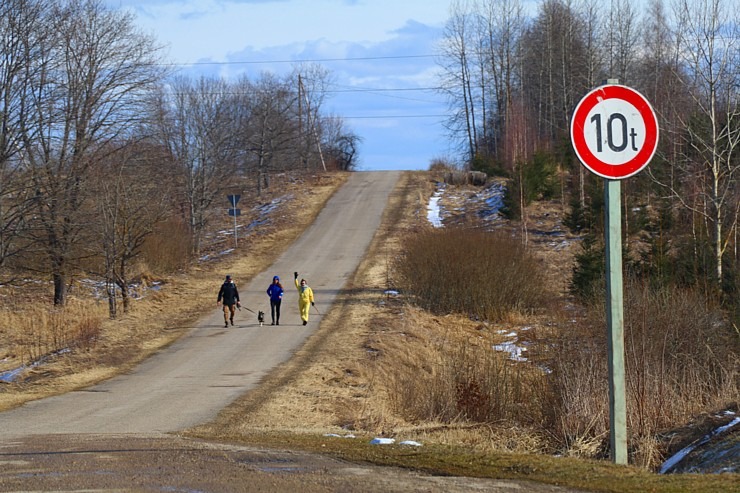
pixel 614 132
pixel 233 200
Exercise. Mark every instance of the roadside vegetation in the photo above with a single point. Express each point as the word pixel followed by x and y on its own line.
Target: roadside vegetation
pixel 381 365
pixel 57 349
pixel 110 238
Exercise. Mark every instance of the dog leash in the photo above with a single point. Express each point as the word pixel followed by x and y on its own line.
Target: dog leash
pixel 248 309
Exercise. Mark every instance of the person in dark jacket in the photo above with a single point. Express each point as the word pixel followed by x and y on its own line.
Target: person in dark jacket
pixel 230 296
pixel 275 292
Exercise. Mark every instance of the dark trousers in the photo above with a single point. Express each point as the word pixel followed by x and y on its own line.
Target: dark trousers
pixel 275 310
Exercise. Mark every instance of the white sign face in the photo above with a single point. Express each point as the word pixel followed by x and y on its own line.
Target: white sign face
pixel 614 131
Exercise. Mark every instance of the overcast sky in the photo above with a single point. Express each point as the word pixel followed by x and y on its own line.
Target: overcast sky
pixel 386 45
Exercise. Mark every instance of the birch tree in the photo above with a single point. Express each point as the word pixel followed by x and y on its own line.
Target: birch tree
pixel 709 39
pixel 457 61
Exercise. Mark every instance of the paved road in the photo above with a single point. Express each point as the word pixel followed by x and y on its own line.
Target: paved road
pixel 191 380
pixel 114 436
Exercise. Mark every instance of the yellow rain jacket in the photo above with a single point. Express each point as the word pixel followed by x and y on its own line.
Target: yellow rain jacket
pixel 305 298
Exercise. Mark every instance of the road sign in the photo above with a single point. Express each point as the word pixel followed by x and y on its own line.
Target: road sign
pixel 614 131
pixel 234 199
pixel 235 212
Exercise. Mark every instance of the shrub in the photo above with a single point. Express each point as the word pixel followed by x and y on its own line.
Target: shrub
pixel 168 249
pixel 479 274
pixel 588 281
pixel 680 355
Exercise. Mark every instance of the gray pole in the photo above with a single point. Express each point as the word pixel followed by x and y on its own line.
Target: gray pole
pixel 615 321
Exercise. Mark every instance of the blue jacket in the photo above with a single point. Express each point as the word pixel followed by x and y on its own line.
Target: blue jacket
pixel 275 292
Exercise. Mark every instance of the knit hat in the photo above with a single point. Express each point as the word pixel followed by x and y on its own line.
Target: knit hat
pixel 276 278
pixel 228 277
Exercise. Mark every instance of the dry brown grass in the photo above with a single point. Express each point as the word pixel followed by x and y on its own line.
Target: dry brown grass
pixel 341 380
pixel 372 348
pixel 28 331
pixel 379 366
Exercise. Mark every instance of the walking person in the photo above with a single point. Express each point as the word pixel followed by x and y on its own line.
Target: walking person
pixel 275 292
pixel 305 298
pixel 230 296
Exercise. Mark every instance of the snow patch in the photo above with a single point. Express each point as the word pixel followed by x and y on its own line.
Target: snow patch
pixel 434 213
pixel 681 454
pixel 382 441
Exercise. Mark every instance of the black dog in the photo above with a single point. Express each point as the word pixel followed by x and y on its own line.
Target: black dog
pixel 261 318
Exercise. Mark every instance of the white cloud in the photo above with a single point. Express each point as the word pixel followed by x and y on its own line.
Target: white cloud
pixel 198 29
pixel 366 44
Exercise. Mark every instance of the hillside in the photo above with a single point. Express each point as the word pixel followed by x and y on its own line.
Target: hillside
pixel 340 383
pixel 335 384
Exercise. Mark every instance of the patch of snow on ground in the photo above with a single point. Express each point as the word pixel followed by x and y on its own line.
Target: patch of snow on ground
pixel 11 375
pixel 434 213
pixel 382 441
pixel 679 456
pixel 515 352
pixel 488 203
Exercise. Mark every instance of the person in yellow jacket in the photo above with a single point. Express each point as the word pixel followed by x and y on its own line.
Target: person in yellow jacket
pixel 305 298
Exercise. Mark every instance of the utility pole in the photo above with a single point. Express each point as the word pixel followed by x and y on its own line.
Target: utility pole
pixel 309 122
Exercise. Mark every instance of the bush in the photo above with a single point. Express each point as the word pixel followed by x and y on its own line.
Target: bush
pixel 680 355
pixel 479 274
pixel 168 249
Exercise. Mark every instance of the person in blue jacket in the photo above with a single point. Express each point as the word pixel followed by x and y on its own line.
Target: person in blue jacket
pixel 275 292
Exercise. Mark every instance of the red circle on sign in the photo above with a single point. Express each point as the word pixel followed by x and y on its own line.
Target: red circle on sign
pixel 632 165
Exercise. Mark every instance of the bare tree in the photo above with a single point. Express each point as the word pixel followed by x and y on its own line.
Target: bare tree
pixel 22 25
pixel 503 25
pixel 197 123
pixel 313 81
pixel 555 59
pixel 620 33
pixel 131 201
pixel 94 69
pixel 341 144
pixel 457 61
pixel 272 128
pixel 709 39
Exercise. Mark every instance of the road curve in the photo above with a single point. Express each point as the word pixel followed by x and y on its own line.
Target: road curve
pixel 189 382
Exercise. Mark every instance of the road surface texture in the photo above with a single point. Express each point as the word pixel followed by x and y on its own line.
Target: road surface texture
pixel 120 435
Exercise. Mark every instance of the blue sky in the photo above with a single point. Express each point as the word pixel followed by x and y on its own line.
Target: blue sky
pixel 380 54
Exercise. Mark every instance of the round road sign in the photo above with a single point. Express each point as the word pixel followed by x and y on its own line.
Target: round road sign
pixel 614 131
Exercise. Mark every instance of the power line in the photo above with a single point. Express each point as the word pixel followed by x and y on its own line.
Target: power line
pixel 305 60
pixel 387 89
pixel 378 117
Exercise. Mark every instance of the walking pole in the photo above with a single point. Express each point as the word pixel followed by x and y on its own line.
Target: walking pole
pixel 317 310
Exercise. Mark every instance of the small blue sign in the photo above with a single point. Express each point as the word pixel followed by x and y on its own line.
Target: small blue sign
pixel 234 199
